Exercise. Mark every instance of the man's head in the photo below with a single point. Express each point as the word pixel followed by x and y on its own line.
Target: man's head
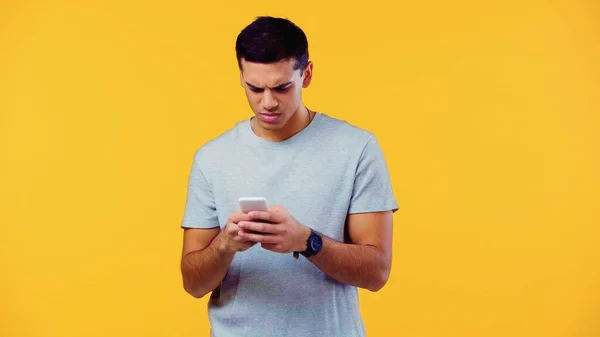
pixel 272 55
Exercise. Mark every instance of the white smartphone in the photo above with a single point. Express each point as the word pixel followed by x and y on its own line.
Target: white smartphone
pixel 248 204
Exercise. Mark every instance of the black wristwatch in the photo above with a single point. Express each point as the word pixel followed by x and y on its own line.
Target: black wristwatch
pixel 313 244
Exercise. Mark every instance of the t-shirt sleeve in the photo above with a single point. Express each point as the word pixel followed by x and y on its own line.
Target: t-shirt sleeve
pixel 200 208
pixel 372 190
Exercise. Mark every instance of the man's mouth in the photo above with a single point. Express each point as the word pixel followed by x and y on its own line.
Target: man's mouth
pixel 269 118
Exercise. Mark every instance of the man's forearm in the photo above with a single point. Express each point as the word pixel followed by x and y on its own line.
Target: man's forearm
pixel 362 266
pixel 203 270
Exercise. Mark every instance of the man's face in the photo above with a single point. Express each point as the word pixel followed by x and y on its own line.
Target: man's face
pixel 274 91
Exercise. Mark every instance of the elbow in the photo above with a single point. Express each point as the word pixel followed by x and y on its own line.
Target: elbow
pixel 191 284
pixel 379 280
pixel 196 292
pixel 376 285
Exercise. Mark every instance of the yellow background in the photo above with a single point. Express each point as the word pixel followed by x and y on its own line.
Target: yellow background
pixel 488 114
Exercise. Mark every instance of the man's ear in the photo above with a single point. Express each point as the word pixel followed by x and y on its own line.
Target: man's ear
pixel 307 74
pixel 241 78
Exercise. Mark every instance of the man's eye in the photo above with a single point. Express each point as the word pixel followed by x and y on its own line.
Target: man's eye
pixel 281 90
pixel 256 89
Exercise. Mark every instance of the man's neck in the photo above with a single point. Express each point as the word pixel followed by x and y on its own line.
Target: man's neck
pixel 299 120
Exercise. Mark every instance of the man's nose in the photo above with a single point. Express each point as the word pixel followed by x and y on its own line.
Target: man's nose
pixel 269 102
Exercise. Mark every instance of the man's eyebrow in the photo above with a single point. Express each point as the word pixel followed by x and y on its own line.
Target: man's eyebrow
pixel 283 85
pixel 280 86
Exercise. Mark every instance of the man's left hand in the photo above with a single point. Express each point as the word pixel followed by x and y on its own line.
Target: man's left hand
pixel 279 232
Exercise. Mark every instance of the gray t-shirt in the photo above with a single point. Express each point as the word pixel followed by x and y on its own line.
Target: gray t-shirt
pixel 320 175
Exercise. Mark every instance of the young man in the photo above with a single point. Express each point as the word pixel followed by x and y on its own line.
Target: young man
pixel 295 269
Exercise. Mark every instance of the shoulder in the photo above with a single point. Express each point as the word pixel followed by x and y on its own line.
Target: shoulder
pixel 343 126
pixel 339 130
pixel 215 148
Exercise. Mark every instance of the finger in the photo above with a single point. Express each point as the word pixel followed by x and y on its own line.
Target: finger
pixel 272 247
pixel 262 238
pixel 232 229
pixel 239 216
pixel 239 239
pixel 261 227
pixel 266 216
pixel 246 245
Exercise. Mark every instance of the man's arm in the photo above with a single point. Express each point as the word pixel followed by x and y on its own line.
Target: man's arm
pixel 366 261
pixel 207 255
pixel 203 265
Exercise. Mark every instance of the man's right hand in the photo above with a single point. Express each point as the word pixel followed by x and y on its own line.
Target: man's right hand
pixel 229 239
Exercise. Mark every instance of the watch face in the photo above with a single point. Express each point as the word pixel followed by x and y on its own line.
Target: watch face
pixel 315 243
